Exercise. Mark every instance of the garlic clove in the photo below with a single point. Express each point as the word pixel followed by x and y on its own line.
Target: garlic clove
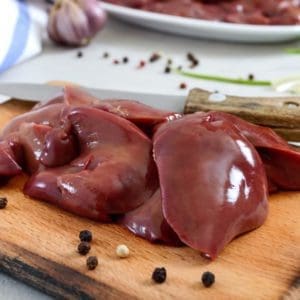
pixel 75 22
pixel 72 24
pixel 51 27
pixel 95 13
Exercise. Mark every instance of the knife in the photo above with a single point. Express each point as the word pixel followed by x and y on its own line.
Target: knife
pixel 43 92
pixel 280 113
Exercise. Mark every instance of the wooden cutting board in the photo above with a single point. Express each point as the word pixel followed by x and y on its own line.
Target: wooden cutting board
pixel 38 246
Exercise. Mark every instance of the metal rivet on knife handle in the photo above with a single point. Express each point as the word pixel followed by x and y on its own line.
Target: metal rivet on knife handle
pixel 276 112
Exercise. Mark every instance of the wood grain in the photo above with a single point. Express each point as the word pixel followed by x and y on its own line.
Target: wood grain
pixel 290 134
pixel 38 246
pixel 282 113
pixel 293 292
pixel 50 277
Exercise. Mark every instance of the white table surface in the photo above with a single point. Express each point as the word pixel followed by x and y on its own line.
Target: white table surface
pixel 119 39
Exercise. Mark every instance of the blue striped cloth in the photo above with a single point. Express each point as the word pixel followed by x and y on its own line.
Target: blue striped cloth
pixel 21 25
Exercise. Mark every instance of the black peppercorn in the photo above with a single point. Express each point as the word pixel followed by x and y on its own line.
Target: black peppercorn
pixel 194 64
pixel 154 57
pixel 251 77
pixel 167 70
pixel 79 54
pixel 92 262
pixel 169 62
pixel 190 56
pixel 125 60
pixel 194 61
pixel 84 248
pixel 3 203
pixel 85 236
pixel 208 279
pixel 105 55
pixel 159 275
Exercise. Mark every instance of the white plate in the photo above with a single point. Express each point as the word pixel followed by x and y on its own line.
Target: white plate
pixel 205 29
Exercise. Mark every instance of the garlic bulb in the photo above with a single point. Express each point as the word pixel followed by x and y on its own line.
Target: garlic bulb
pixel 75 22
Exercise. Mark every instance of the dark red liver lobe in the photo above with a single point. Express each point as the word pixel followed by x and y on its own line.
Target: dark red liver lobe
pixel 144 116
pixel 8 162
pixel 113 174
pixel 94 161
pixel 212 180
pixel 282 162
pixel 49 116
pixel 42 137
pixel 148 222
pixel 32 139
pixel 44 146
pixel 262 12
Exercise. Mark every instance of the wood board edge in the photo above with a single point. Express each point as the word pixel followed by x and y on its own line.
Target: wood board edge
pixel 51 278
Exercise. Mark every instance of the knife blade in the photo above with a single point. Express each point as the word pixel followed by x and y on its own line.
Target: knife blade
pixel 42 92
pixel 284 111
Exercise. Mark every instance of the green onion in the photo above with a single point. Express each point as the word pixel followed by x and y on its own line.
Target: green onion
pixel 293 50
pixel 224 79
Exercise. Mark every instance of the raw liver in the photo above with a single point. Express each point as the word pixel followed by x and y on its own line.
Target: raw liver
pixel 213 182
pixel 113 174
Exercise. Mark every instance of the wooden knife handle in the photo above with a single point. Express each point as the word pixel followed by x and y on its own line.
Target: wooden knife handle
pixel 288 134
pixel 280 113
pixel 272 112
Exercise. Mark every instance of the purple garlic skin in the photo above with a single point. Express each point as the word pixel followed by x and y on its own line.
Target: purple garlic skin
pixel 75 22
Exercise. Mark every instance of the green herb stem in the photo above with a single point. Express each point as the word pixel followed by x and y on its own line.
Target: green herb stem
pixel 293 50
pixel 224 79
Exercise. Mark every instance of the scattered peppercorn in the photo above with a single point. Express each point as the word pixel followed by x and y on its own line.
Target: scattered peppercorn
pixel 167 69
pixel 85 236
pixel 3 202
pixel 79 54
pixel 115 62
pixel 125 60
pixel 154 57
pixel 92 262
pixel 122 251
pixel 208 279
pixel 84 248
pixel 105 55
pixel 159 275
pixel 194 64
pixel 179 68
pixel 183 86
pixel 142 64
pixel 194 61
pixel 169 61
pixel 251 76
pixel 190 56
